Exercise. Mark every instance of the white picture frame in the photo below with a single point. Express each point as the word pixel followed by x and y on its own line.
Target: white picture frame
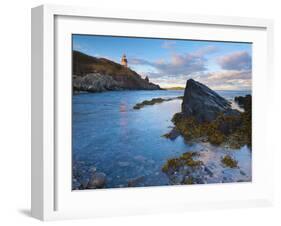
pixel 52 197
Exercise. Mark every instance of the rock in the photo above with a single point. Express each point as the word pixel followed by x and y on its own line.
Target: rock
pixel 227 126
pixel 98 180
pixel 208 117
pixel 93 169
pixel 229 161
pixel 176 179
pixel 135 181
pixel 154 101
pixel 75 184
pixel 172 135
pixel 94 82
pixel 84 183
pixel 209 171
pixel 244 102
pixel 202 103
pixel 242 173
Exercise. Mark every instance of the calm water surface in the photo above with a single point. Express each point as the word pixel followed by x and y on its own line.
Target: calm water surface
pixel 126 144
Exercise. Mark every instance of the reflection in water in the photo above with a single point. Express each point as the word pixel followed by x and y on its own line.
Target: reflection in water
pixel 123 120
pixel 127 145
pixel 123 107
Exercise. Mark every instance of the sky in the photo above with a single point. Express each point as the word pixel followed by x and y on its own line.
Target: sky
pixel 171 62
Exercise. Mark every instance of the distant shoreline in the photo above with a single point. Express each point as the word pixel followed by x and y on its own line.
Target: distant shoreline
pixel 174 88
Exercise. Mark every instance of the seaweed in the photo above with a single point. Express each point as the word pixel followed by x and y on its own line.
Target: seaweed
pixel 186 159
pixel 232 130
pixel 154 101
pixel 228 161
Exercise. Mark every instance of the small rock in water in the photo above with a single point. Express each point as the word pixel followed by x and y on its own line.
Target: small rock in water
pixel 93 169
pixel 84 183
pixel 176 179
pixel 188 180
pixel 75 184
pixel 209 171
pixel 98 180
pixel 242 173
pixel 135 181
pixel 172 135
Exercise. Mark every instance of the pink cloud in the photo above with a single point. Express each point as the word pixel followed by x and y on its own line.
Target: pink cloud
pixel 236 61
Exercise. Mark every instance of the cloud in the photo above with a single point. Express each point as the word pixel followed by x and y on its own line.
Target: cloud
pixel 236 61
pixel 236 73
pixel 230 75
pixel 179 64
pixel 139 61
pixel 228 79
pixel 220 80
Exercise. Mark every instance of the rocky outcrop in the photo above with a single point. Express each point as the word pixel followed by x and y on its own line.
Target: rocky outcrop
pixel 208 117
pixel 94 82
pixel 244 102
pixel 154 101
pixel 93 74
pixel 202 103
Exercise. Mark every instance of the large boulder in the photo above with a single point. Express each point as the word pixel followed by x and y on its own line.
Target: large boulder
pixel 202 103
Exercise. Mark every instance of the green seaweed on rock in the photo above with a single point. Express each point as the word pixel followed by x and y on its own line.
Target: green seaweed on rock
pixel 228 161
pixel 154 101
pixel 186 159
pixel 234 131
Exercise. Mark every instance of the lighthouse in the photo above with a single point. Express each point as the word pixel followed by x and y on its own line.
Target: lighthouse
pixel 124 61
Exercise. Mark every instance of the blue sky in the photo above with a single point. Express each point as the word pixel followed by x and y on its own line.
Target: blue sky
pixel 220 65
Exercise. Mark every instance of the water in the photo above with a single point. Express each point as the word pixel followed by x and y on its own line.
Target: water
pixel 127 144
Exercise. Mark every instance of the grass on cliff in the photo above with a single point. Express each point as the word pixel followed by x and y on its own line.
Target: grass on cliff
pixel 84 64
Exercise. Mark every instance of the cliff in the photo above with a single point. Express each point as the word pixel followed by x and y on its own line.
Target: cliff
pixel 94 74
